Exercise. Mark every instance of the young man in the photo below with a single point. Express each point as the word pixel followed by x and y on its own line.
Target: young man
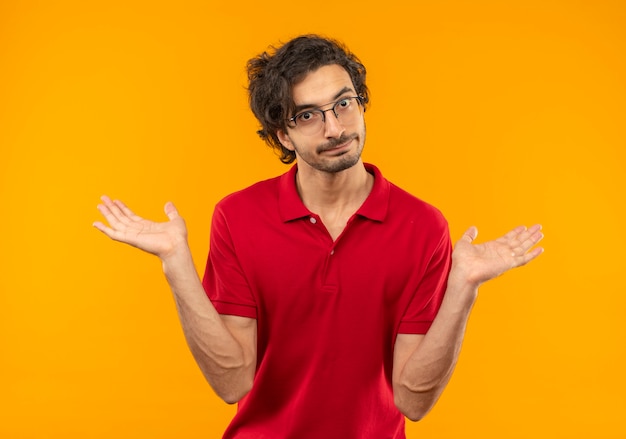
pixel 332 305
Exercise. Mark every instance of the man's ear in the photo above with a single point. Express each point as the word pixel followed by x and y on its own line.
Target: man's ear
pixel 285 140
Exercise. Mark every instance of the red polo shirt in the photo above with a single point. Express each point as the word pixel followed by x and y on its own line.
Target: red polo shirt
pixel 327 312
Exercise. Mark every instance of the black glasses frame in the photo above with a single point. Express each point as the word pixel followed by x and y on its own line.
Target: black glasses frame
pixel 359 100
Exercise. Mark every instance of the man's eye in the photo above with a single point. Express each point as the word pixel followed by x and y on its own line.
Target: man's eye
pixel 305 117
pixel 344 103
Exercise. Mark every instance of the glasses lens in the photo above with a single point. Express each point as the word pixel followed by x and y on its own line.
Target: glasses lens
pixel 347 111
pixel 309 122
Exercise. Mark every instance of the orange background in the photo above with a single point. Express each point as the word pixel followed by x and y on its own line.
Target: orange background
pixel 499 113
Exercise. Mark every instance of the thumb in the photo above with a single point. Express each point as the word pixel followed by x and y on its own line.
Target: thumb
pixel 470 235
pixel 170 210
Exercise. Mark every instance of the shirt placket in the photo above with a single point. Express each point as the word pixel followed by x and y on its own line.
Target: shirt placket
pixel 330 269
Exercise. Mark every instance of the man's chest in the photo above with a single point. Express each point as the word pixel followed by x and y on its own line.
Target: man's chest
pixel 304 267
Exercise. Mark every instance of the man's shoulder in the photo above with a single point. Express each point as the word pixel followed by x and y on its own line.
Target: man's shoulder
pixel 259 192
pixel 401 200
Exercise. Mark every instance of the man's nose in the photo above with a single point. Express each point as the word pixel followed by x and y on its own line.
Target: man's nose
pixel 332 125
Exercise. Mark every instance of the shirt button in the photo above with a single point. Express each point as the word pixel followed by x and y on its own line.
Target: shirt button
pixel 332 252
pixel 313 220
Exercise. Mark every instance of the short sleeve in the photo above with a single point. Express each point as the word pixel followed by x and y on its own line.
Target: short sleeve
pixel 427 299
pixel 224 280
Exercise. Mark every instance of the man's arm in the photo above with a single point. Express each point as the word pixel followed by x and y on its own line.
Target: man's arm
pixel 223 346
pixel 423 364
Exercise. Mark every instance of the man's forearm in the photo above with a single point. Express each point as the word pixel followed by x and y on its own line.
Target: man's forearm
pixel 426 370
pixel 429 368
pixel 223 361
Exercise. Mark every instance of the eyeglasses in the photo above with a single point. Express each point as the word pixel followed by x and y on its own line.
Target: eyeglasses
pixel 346 110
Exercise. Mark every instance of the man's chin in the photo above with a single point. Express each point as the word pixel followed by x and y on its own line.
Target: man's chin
pixel 342 162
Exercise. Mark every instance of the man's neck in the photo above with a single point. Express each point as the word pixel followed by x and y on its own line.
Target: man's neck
pixel 334 196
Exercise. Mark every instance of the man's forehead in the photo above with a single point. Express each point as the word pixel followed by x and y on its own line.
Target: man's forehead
pixel 322 85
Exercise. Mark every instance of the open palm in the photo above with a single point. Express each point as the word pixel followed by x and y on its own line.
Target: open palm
pixel 479 263
pixel 158 238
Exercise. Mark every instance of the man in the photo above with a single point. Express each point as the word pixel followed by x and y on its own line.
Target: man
pixel 332 305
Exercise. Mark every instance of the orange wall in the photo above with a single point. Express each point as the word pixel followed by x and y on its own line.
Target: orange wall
pixel 499 113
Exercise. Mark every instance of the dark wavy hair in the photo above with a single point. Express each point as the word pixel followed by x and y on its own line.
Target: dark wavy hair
pixel 273 73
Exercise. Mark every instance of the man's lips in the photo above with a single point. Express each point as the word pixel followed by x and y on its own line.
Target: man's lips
pixel 341 144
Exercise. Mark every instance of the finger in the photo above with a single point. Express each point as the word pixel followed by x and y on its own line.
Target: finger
pixel 109 216
pixel 100 226
pixel 532 236
pixel 170 210
pixel 108 231
pixel 529 256
pixel 513 234
pixel 114 210
pixel 470 235
pixel 525 252
pixel 126 211
pixel 521 238
pixel 526 232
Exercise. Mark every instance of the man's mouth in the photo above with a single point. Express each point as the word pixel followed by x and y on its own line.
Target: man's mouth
pixel 336 145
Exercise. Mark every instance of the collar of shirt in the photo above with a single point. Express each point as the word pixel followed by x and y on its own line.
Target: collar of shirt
pixel 374 208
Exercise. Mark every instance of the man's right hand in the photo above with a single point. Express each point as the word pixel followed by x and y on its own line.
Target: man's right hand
pixel 224 346
pixel 160 239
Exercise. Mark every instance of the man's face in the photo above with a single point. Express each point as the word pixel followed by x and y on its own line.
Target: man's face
pixel 338 145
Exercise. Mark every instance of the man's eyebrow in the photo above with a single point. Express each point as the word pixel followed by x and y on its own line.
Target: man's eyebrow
pixel 341 92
